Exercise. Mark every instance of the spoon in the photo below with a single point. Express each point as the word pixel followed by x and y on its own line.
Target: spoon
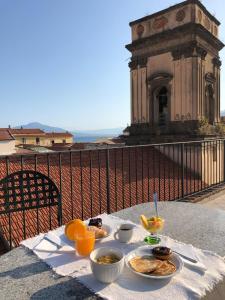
pixel 155 199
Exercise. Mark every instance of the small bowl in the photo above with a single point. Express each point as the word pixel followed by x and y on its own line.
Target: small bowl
pixel 110 272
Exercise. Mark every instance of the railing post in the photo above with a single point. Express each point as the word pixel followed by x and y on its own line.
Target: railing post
pixel 108 182
pixel 223 162
pixel 182 166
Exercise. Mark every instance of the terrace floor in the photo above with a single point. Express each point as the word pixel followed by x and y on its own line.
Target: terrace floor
pixel 216 201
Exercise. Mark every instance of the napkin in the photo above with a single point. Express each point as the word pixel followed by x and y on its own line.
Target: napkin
pixel 188 284
pixel 187 250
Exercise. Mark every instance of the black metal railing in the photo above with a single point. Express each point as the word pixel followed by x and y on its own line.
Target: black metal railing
pixel 91 182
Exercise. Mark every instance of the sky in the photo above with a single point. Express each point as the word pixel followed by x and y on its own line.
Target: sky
pixel 63 62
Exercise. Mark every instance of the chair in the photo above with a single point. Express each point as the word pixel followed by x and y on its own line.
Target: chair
pixel 25 195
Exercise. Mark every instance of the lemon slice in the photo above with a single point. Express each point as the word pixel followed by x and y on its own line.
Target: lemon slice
pixel 144 221
pixel 74 228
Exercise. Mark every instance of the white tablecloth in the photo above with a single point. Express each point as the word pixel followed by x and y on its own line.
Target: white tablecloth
pixel 191 283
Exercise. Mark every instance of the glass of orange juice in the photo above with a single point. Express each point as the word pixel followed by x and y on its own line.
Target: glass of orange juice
pixel 85 243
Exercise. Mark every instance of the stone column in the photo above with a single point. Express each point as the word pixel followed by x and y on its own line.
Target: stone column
pixel 139 105
pixel 216 72
pixel 133 91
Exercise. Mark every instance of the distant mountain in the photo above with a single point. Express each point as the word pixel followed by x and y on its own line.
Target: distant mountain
pixel 46 128
pixel 222 113
pixel 77 133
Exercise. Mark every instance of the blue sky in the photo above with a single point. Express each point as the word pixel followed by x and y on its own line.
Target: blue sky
pixel 63 62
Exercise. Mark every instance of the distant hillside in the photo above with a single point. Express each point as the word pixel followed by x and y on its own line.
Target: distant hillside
pixel 222 113
pixel 46 128
pixel 77 133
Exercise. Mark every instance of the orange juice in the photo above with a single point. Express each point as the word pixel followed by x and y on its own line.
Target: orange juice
pixel 85 243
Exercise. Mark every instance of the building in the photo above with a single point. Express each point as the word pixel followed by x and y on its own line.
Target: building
pixel 7 142
pixel 59 138
pixel 174 71
pixel 39 137
pixel 28 136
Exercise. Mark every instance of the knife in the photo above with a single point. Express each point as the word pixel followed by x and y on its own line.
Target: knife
pixel 58 246
pixel 186 257
pixel 52 242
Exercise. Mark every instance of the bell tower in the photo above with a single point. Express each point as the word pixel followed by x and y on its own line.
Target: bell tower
pixel 174 70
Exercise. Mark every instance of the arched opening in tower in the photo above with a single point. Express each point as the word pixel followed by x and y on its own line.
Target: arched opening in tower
pixel 163 106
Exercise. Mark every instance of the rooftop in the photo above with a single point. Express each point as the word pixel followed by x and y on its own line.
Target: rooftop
pixel 10 132
pixel 22 131
pixel 5 135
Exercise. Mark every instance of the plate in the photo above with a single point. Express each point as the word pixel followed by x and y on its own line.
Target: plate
pixel 147 251
pixel 106 228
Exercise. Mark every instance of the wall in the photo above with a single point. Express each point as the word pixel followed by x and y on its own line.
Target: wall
pixel 184 87
pixel 204 20
pixel 58 140
pixel 30 140
pixel 7 147
pixel 43 140
pixel 213 162
pixel 205 160
pixel 163 22
pixel 139 99
pixel 175 18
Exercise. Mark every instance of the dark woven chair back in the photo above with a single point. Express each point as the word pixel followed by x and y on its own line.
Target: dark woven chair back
pixel 27 195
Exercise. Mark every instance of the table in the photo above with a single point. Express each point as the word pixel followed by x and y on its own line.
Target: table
pixel 23 276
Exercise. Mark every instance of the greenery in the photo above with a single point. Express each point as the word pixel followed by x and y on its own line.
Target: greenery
pixel 220 128
pixel 205 128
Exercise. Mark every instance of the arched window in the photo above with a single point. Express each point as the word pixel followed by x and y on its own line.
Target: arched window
pixel 209 104
pixel 162 106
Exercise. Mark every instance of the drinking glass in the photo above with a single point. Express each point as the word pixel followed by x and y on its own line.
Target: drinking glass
pixel 85 243
pixel 153 227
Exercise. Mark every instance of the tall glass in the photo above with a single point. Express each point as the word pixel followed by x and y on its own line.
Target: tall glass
pixel 153 225
pixel 85 243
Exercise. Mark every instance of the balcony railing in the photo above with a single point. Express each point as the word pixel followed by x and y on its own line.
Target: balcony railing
pixel 106 180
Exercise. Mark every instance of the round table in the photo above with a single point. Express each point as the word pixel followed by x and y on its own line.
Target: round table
pixel 23 276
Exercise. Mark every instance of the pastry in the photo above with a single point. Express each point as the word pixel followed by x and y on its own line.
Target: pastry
pixel 162 253
pixel 166 268
pixel 95 222
pixel 144 265
pixel 99 232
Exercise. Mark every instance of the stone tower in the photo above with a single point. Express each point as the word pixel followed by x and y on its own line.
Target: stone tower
pixel 174 70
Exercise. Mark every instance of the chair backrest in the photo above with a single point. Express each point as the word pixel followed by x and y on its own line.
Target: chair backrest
pixel 28 190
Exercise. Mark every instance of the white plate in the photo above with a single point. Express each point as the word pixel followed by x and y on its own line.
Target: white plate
pixel 147 251
pixel 106 228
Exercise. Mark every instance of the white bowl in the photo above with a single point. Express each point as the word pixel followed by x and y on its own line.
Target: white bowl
pixel 147 251
pixel 110 272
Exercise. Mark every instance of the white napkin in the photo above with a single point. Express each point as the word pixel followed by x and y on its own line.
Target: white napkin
pixel 187 250
pixel 188 284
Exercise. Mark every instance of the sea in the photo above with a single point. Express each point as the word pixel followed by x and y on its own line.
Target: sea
pixel 89 139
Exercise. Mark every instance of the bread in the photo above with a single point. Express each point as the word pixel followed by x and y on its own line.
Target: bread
pixel 166 268
pixel 99 232
pixel 144 265
pixel 162 253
